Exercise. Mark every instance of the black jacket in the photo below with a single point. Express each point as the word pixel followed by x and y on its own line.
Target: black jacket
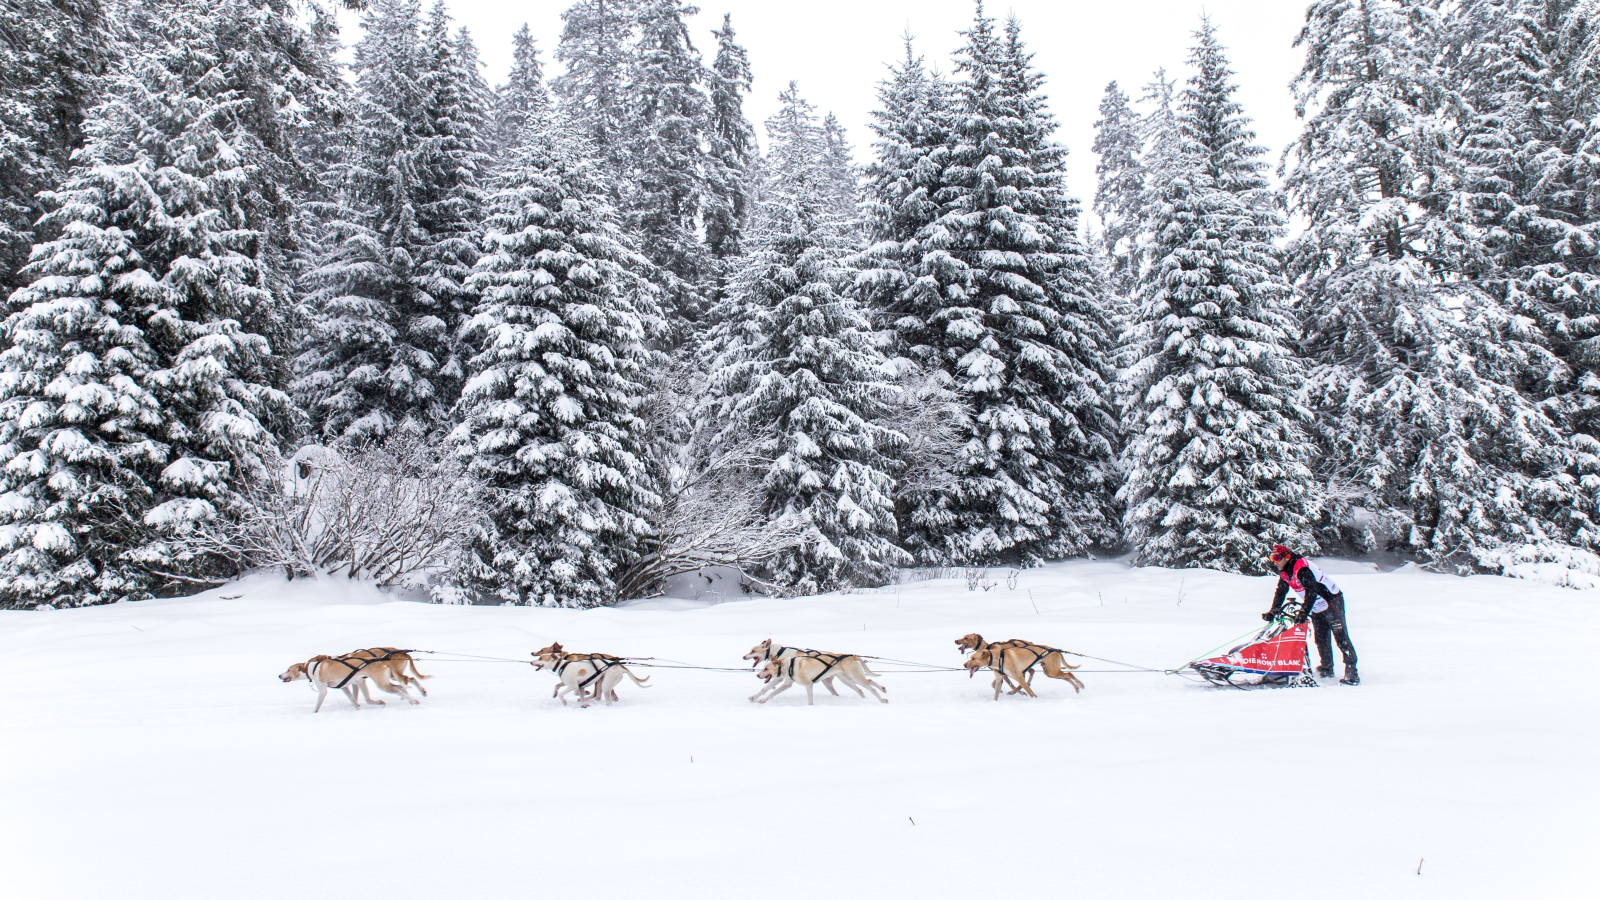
pixel 1312 587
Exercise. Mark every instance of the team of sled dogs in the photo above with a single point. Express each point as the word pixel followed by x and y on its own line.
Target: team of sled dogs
pixel 591 677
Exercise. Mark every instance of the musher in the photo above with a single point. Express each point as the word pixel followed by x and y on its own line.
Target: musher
pixel 1320 600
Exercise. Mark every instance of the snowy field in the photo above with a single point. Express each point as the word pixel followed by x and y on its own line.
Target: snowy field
pixel 149 750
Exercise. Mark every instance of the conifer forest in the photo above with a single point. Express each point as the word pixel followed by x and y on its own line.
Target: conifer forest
pixel 285 297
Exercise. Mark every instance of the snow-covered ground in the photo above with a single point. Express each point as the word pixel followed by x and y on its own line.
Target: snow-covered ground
pixel 149 751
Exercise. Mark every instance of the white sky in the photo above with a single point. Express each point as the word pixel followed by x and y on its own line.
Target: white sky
pixel 837 50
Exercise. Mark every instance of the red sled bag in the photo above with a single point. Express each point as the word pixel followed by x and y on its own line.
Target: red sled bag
pixel 1277 653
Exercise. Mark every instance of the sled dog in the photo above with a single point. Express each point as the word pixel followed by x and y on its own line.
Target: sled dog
pixel 780 675
pixel 589 676
pixel 765 650
pixel 1016 663
pixel 349 673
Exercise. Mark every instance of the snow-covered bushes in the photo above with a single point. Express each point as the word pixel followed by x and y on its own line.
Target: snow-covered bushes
pixel 1555 564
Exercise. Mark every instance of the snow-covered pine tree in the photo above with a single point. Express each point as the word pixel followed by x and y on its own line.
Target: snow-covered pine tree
pixel 1003 301
pixel 1118 142
pixel 131 400
pixel 386 292
pixel 52 53
pixel 522 104
pixel 670 159
pixel 596 55
pixel 1531 185
pixel 733 146
pixel 1217 462
pixel 1416 367
pixel 798 372
pixel 912 128
pixel 549 418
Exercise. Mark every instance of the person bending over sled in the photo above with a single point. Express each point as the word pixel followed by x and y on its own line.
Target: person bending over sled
pixel 1318 599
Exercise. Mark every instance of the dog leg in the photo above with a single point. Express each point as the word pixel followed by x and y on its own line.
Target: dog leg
pixel 810 697
pixel 999 682
pixel 784 686
pixel 1025 686
pixel 322 694
pixel 848 682
pixel 828 683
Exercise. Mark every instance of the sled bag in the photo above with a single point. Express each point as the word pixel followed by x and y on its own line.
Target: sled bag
pixel 1281 654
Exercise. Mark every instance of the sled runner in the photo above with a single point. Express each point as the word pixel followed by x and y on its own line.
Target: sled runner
pixel 1276 655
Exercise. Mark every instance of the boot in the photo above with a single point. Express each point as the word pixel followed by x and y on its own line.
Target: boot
pixel 1350 676
pixel 1324 671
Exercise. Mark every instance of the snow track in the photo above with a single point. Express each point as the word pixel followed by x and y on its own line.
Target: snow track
pixel 149 750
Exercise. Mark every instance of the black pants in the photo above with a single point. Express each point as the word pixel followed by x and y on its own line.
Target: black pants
pixel 1329 626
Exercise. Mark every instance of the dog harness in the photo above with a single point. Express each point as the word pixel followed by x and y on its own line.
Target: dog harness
pixel 829 660
pixel 354 669
pixel 601 661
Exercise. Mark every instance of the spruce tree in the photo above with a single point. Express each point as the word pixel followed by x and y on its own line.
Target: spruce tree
pixel 1217 461
pixel 1415 383
pixel 522 104
pixel 670 158
pixel 596 57
pixel 549 422
pixel 52 54
pixel 132 402
pixel 1530 190
pixel 733 146
pixel 387 292
pixel 1005 304
pixel 1118 142
pixel 798 369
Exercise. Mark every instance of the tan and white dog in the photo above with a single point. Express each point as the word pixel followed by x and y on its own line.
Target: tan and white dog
pixel 591 676
pixel 1016 663
pixel 350 674
pixel 806 669
pixel 397 661
pixel 765 650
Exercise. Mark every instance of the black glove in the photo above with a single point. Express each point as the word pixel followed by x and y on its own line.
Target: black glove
pixel 1269 616
pixel 1302 616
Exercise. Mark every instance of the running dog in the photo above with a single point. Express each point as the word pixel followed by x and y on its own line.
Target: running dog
pixel 975 641
pixel 1018 663
pixel 591 676
pixel 349 674
pixel 397 662
pixel 806 670
pixel 764 651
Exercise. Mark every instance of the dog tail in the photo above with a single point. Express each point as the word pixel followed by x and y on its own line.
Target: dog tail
pixel 636 679
pixel 867 670
pixel 414 669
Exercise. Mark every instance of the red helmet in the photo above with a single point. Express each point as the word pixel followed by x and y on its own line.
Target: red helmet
pixel 1280 553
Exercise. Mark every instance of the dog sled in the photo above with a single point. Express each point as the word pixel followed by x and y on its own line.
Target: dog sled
pixel 1275 656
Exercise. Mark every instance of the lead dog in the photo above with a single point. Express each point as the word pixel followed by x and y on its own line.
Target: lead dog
pixel 592 676
pixel 780 675
pixel 1017 662
pixel 348 673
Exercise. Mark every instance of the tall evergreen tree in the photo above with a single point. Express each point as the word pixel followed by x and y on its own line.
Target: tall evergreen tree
pixel 132 401
pixel 52 54
pixel 1415 386
pixel 596 56
pixel 670 157
pixel 549 422
pixel 1004 302
pixel 522 104
pixel 1217 464
pixel 387 292
pixel 1118 142
pixel 733 146
pixel 798 369
pixel 1530 186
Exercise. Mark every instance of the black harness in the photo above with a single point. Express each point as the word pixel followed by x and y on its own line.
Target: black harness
pixel 1037 656
pixel 602 664
pixel 828 660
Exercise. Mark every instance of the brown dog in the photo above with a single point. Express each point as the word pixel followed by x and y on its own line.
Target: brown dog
pixel 348 673
pixel 1015 664
pixel 397 661
pixel 975 641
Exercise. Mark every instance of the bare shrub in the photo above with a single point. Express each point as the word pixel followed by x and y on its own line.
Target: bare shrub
pixel 392 513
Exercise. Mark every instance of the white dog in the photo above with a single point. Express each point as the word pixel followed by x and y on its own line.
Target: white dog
pixel 591 676
pixel 807 670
